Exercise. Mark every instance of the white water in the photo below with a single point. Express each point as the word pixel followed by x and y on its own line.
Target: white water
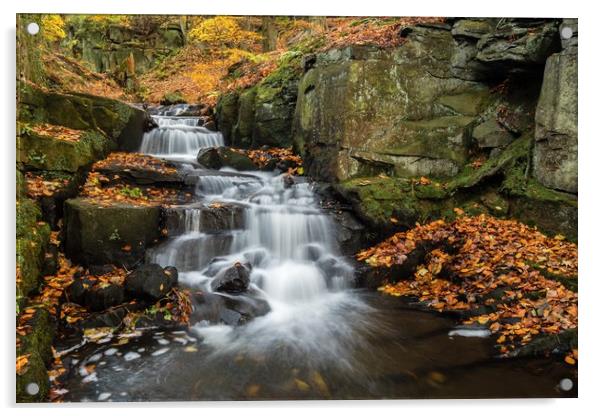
pixel 285 238
pixel 179 138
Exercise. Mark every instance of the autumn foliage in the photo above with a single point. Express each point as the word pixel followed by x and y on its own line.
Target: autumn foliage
pixel 519 276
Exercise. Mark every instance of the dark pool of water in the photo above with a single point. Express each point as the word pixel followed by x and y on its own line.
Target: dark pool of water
pixel 405 354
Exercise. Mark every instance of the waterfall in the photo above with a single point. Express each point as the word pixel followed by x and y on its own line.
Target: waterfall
pixel 178 138
pixel 276 229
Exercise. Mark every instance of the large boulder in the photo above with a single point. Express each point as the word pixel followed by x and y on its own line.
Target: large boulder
pixel 363 111
pixel 151 281
pixel 46 152
pixel 122 124
pixel 116 234
pixel 555 152
pixel 229 310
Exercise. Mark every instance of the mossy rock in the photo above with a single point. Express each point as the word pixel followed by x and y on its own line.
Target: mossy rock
pixel 386 203
pixel 263 114
pixel 40 151
pixel 38 344
pixel 226 112
pixel 242 135
pixel 31 241
pixel 115 234
pixel 419 127
pixel 173 97
pixel 21 185
pixel 552 212
pixel 119 121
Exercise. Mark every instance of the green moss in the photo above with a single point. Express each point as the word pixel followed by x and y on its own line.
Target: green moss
pixel 95 234
pixel 21 185
pixel 431 191
pixel 37 344
pixel 75 110
pixel 510 159
pixel 380 199
pixel 48 153
pixel 173 97
pixel 32 240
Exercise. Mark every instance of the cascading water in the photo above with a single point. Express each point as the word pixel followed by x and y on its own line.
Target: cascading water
pixel 315 338
pixel 179 138
pixel 277 231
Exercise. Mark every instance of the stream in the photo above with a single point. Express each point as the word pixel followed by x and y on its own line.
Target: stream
pixel 314 334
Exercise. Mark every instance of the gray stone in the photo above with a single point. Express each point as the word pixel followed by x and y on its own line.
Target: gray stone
pixel 555 152
pixel 518 42
pixel 490 134
pixel 362 111
pixel 151 282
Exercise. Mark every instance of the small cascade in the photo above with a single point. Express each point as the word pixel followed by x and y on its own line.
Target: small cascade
pixel 178 138
pixel 274 228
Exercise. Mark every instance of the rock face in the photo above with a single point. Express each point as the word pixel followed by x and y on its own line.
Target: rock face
pixel 555 152
pixel 116 234
pixel 363 111
pixel 262 115
pixel 108 49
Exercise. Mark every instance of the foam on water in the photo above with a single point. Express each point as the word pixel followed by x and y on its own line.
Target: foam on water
pixel 285 238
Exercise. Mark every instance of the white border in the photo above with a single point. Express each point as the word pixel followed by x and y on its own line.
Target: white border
pixel 590 152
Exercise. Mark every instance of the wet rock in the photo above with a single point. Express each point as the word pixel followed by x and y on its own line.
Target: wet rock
pixel 230 317
pixel 218 157
pixel 248 307
pixel 425 137
pixel 472 28
pixel 141 175
pixel 79 288
pixel 203 218
pixel 312 252
pixel 116 124
pixel 210 125
pixel 100 297
pixel 548 344
pixel 235 279
pixel 116 234
pixel 173 97
pixel 230 310
pixel 87 291
pixel 151 281
pixel 112 317
pixel 289 181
